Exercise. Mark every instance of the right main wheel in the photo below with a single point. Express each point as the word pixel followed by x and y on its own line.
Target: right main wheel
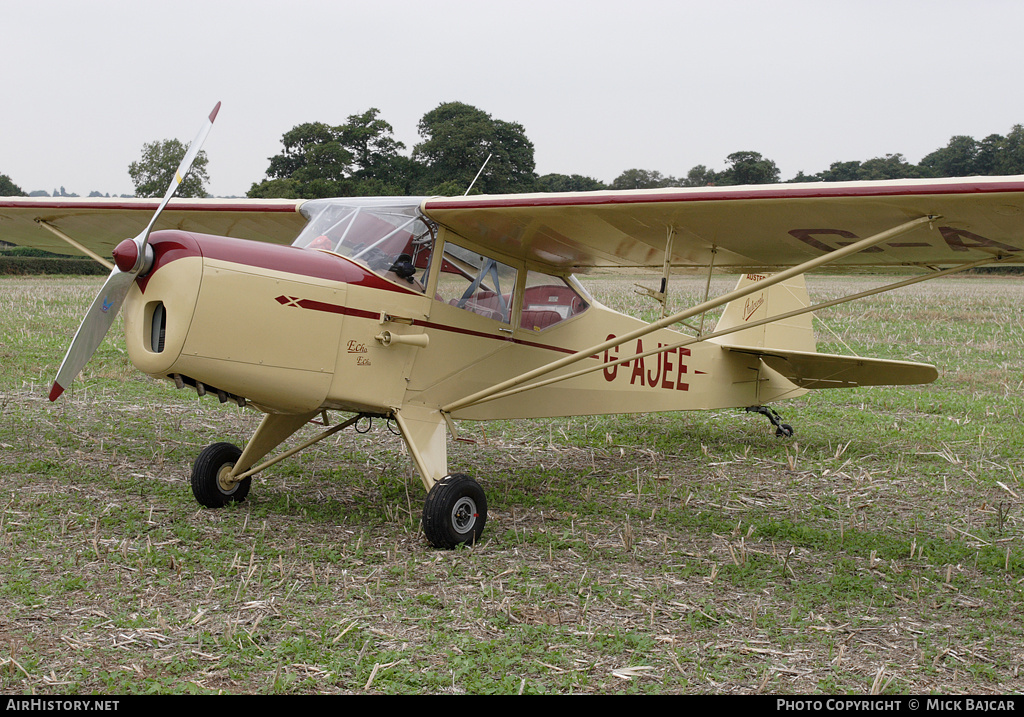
pixel 455 512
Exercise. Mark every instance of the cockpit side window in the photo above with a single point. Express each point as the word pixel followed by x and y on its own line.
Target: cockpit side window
pixel 548 300
pixel 476 282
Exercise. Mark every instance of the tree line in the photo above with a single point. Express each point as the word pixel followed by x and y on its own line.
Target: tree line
pixel 362 158
pixel 461 145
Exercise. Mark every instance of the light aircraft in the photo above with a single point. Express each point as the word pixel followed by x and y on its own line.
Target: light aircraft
pixel 429 310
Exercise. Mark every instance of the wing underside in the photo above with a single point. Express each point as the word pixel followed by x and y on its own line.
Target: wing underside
pixel 752 228
pixel 736 229
pixel 100 224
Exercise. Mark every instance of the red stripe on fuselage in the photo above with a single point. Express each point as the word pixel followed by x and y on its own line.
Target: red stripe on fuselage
pixel 170 245
pixel 363 314
pixel 326 308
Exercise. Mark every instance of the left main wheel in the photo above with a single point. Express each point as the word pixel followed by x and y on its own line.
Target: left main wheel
pixel 209 473
pixel 455 512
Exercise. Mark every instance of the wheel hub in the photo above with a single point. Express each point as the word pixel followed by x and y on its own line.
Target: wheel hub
pixel 225 482
pixel 464 515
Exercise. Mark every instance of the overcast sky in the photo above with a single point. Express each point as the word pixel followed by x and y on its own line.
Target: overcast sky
pixel 600 86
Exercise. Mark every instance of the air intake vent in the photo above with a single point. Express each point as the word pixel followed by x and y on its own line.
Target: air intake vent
pixel 159 329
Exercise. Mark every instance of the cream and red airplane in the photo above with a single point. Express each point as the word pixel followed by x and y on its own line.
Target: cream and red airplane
pixel 425 311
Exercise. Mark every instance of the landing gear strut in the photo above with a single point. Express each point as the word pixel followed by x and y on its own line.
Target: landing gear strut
pixel 455 512
pixel 782 430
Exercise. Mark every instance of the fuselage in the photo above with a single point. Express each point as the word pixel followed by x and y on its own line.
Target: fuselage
pixel 293 330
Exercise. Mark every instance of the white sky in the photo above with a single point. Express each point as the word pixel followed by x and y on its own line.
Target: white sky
pixel 600 86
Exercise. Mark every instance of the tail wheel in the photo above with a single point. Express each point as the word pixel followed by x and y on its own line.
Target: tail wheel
pixel 210 473
pixel 455 512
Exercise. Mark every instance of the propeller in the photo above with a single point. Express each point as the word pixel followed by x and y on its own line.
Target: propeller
pixel 132 258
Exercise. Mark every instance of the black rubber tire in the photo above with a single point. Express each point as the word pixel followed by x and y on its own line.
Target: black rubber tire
pixel 455 512
pixel 207 468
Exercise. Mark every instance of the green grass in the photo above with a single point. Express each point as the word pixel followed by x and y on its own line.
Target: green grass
pixel 674 553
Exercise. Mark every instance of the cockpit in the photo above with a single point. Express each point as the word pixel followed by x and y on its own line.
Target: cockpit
pixel 387 234
pixel 391 237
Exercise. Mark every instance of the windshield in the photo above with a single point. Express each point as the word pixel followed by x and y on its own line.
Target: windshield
pixel 381 232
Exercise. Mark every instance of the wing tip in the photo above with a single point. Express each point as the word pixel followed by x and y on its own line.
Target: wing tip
pixel 56 391
pixel 213 115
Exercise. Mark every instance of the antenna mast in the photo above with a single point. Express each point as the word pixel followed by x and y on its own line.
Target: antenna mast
pixel 479 173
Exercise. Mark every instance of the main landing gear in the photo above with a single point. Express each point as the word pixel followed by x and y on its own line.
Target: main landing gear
pixel 454 512
pixel 782 430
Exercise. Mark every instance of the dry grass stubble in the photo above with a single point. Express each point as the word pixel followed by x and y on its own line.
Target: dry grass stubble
pixel 678 553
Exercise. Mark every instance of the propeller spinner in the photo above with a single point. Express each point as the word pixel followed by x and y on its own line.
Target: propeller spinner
pixel 132 258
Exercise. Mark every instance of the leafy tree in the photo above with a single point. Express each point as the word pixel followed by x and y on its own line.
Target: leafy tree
pixel 374 149
pixel 400 175
pixel 965 156
pixel 360 158
pixel 154 172
pixel 1010 155
pixel 312 149
pixel 457 141
pixel 700 176
pixel 840 172
pixel 642 179
pixel 568 183
pixel 801 177
pixel 987 161
pixel 891 166
pixel 748 168
pixel 958 158
pixel 314 163
pixel 8 188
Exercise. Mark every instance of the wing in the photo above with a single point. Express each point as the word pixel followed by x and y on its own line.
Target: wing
pixel 760 227
pixel 99 224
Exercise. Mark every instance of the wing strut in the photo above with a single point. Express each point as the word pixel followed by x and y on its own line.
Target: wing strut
pixel 61 235
pixel 693 311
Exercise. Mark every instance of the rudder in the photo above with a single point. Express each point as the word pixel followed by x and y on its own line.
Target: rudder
pixel 795 333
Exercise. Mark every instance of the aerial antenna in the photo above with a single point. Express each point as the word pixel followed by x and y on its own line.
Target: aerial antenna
pixel 479 173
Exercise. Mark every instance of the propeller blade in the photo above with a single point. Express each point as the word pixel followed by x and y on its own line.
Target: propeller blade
pixel 93 328
pixel 179 175
pixel 100 316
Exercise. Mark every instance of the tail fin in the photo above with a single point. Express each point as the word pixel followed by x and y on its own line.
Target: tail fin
pixel 787 352
pixel 794 334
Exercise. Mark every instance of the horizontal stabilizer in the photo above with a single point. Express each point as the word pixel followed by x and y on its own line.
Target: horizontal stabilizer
pixel 813 370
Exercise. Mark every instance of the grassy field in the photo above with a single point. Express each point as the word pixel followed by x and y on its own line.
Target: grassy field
pixel 880 550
